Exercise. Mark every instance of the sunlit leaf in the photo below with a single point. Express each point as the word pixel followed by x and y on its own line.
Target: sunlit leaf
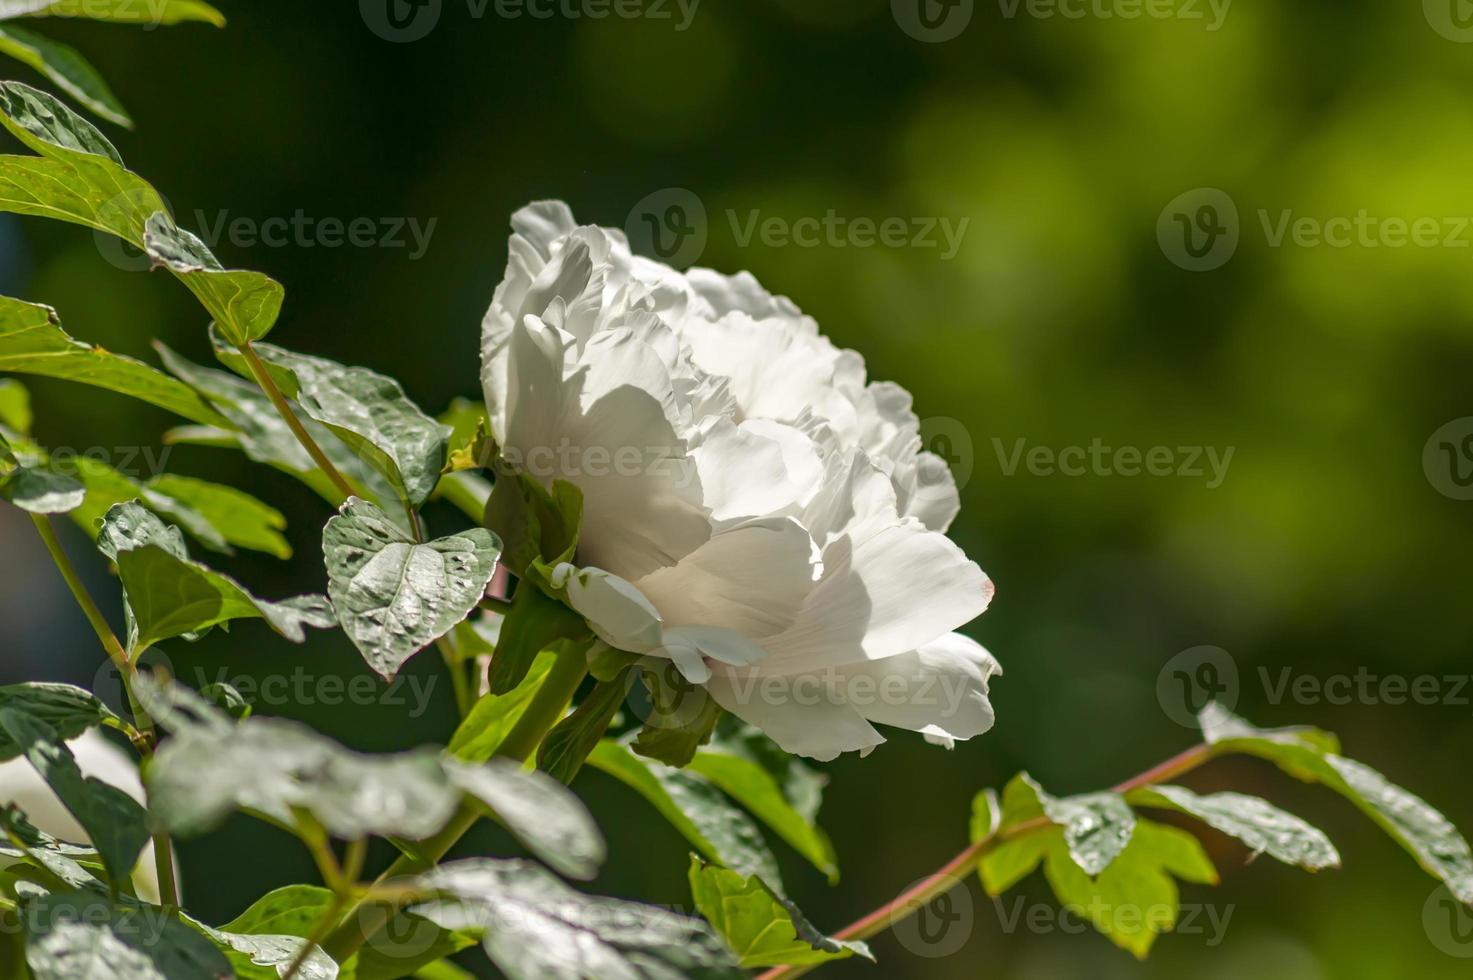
pixel 81 934
pixel 66 68
pixel 539 811
pixel 1256 822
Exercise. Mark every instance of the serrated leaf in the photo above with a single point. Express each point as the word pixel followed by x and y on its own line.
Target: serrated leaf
pixel 67 69
pixel 540 812
pixel 536 928
pixel 68 710
pixel 81 934
pixel 33 342
pixel 493 717
pixel 113 820
pixel 1262 826
pixel 1312 756
pixel 781 791
pixel 761 928
pixel 1097 826
pixel 695 808
pixel 169 595
pixel 367 410
pixel 395 596
pixel 147 12
pixel 239 518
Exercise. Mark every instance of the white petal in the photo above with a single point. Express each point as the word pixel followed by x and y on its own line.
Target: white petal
pixel 725 645
pixel 752 578
pixel 801 714
pixel 928 491
pixel 886 590
pixel 939 690
pixel 616 611
pixel 756 468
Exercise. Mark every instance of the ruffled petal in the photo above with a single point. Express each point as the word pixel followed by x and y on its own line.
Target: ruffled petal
pixel 940 689
pixel 801 714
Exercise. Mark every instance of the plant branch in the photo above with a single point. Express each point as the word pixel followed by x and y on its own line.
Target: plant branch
pixel 163 849
pixel 543 712
pixel 947 877
pixel 284 409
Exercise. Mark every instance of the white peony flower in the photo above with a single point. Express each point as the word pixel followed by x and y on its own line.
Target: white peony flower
pixel 754 509
pixel 98 758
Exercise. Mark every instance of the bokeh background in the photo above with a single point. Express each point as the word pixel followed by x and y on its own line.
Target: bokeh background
pixel 1327 548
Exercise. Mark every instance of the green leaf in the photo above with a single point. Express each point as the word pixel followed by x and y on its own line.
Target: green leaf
pixel 253 426
pixel 68 862
pixel 1256 822
pixel 113 820
pixel 682 716
pixel 38 489
pixel 694 807
pixel 394 596
pixel 536 524
pixel 67 710
pixel 570 741
pixel 239 518
pixel 33 342
pixel 986 816
pixel 15 403
pixel 540 812
pixel 169 595
pixel 536 928
pixel 78 177
pixel 400 948
pixel 536 621
pixel 493 717
pixel 763 929
pixel 1097 826
pixel 213 766
pixel 67 69
pixel 782 791
pixel 367 410
pixel 442 970
pixel 152 12
pixel 267 957
pixel 81 934
pixel 1311 756
pixel 245 304
pixel 1132 901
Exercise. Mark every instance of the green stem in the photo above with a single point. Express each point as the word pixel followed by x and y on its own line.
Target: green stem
pixel 946 878
pixel 284 409
pixel 318 934
pixel 79 592
pixel 543 712
pixel 163 850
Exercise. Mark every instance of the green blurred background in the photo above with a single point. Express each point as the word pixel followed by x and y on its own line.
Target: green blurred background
pixel 1062 318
